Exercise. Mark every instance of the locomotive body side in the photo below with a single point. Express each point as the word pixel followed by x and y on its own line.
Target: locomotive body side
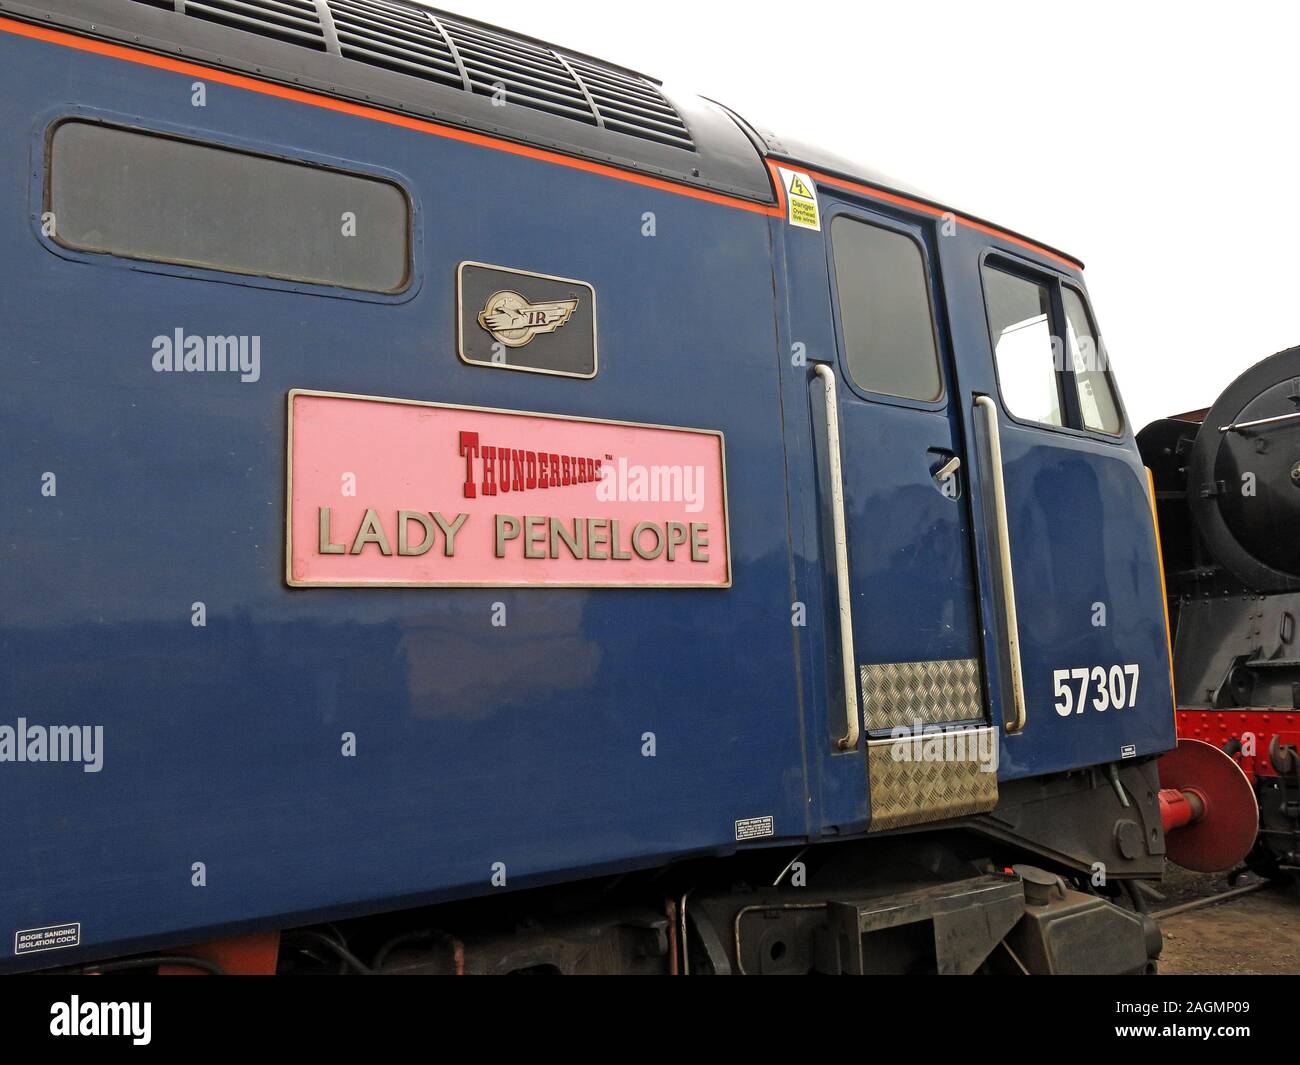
pixel 279 749
pixel 476 743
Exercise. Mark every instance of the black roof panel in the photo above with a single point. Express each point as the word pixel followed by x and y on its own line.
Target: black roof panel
pixel 406 57
pixel 409 58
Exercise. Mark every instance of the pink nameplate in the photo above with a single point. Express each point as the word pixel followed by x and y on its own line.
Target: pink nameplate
pixel 389 492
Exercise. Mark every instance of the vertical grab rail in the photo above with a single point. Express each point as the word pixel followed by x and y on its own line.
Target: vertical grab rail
pixel 850 738
pixel 990 412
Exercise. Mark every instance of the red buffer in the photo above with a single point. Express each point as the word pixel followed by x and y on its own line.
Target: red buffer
pixel 1208 807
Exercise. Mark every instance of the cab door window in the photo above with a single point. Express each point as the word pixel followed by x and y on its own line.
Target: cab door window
pixel 1051 363
pixel 1020 317
pixel 1097 401
pixel 885 313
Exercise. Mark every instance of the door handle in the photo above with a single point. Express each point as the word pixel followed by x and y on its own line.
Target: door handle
pixel 948 469
pixel 989 409
pixel 850 738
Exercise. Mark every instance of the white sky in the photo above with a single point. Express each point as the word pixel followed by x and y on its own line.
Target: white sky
pixel 1157 142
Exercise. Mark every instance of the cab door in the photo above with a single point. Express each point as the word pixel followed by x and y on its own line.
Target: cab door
pixel 917 654
pixel 1088 636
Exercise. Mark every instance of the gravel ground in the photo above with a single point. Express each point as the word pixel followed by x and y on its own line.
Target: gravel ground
pixel 1255 934
pixel 1180 885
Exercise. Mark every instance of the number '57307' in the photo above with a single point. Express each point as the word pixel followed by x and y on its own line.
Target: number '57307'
pixel 1113 689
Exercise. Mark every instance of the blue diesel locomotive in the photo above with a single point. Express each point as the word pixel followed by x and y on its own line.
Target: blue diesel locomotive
pixel 467 509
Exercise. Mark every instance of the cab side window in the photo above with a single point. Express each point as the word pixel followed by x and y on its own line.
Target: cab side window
pixel 1051 363
pixel 1088 359
pixel 885 314
pixel 141 195
pixel 1020 317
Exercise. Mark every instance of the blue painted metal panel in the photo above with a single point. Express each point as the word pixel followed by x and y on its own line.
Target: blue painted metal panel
pixel 1082 537
pixel 1080 529
pixel 910 551
pixel 1081 533
pixel 476 744
pixel 910 561
pixel 837 779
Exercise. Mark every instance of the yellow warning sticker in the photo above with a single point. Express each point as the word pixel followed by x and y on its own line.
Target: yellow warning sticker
pixel 804 213
pixel 801 199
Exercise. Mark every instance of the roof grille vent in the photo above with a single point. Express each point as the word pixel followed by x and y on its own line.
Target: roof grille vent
pixel 292 21
pixel 395 37
pixel 420 43
pixel 518 72
pixel 632 105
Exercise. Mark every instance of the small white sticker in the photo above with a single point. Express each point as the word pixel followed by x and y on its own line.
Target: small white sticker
pixel 801 199
pixel 1128 751
pixel 755 828
pixel 51 937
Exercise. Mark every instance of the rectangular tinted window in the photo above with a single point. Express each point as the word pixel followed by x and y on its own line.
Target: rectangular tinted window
pixel 143 196
pixel 1096 397
pixel 889 343
pixel 1020 317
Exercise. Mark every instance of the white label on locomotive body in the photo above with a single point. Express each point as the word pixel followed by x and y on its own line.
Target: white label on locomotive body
pixel 755 828
pixel 1115 688
pixel 50 937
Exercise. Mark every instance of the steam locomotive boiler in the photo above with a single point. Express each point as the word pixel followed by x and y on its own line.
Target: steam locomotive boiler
pixel 1228 495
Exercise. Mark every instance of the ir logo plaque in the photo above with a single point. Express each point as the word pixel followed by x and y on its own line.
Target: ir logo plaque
pixel 518 320
pixel 440 495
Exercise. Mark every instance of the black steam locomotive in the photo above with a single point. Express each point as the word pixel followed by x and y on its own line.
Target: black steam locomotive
pixel 1228 496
